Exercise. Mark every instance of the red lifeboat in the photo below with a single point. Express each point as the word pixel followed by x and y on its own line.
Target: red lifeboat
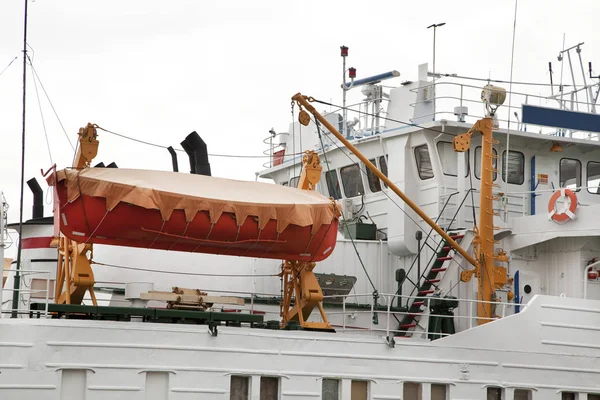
pixel 194 213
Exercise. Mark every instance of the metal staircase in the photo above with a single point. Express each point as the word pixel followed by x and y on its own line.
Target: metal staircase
pixel 430 281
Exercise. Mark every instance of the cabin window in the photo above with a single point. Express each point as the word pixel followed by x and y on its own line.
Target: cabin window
pixel 73 384
pixel 412 390
pixel 374 182
pixel 478 163
pixel 359 390
pixel 333 185
pixel 516 167
pixel 383 166
pixel 494 393
pixel 269 388
pixel 569 396
pixel 294 181
pixel 157 386
pixel 570 173
pixel 593 396
pixel 449 159
pixel 352 181
pixel 423 159
pixel 330 389
pixel 523 394
pixel 439 392
pixel 239 388
pixel 593 177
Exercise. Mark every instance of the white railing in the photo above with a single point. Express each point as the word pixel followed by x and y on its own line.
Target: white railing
pixel 23 292
pixel 453 94
pixel 392 314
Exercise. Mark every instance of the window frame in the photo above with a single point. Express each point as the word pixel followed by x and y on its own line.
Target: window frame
pixel 383 158
pixel 468 162
pixel 297 178
pixel 477 171
pixel 248 380
pixel 338 381
pixel 277 379
pixel 587 177
pixel 338 189
pixel 504 171
pixel 372 179
pixel 343 184
pixel 415 152
pixel 577 184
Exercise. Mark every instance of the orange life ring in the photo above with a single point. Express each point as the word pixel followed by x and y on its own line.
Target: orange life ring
pixel 567 212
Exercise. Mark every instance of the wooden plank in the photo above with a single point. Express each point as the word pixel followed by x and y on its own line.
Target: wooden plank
pixel 189 299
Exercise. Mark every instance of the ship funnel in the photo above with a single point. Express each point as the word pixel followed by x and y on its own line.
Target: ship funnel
pixel 38 198
pixel 197 151
pixel 173 158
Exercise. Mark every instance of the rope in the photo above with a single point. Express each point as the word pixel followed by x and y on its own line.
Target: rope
pixel 52 106
pixel 181 150
pixel 9 64
pixel 158 271
pixel 37 94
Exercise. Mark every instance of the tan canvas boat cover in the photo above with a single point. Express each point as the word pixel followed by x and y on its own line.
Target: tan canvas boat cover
pixel 167 191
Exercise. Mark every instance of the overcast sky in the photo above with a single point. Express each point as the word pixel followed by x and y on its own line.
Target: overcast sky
pixel 157 70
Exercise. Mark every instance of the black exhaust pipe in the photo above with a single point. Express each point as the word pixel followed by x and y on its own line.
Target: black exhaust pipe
pixel 38 198
pixel 197 151
pixel 173 158
pixel 189 149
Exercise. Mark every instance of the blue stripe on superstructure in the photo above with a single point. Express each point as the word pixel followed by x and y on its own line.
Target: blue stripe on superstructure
pixel 553 117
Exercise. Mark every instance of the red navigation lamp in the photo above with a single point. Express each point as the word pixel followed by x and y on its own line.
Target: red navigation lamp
pixel 344 51
pixel 351 73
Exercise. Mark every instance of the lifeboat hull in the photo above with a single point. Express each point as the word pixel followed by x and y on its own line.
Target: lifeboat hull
pixel 87 219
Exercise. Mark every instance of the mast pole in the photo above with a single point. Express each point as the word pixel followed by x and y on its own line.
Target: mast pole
pixel 17 280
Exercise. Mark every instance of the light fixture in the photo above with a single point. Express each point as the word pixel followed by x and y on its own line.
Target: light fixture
pixel 556 147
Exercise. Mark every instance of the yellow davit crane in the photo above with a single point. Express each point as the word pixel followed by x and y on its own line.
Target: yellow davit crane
pixel 490 276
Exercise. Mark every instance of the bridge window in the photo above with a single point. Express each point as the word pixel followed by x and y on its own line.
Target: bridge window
pixel 359 390
pixel 352 181
pixel 478 163
pixel 448 158
pixel 374 182
pixel 570 173
pixel 333 185
pixel 330 389
pixel 593 396
pixel 593 177
pixel 494 393
pixel 239 387
pixel 294 181
pixel 523 394
pixel 439 392
pixel 516 167
pixel 412 390
pixel 423 159
pixel 569 396
pixel 383 166
pixel 269 388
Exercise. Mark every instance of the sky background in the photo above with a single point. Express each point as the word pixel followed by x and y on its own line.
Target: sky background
pixel 157 70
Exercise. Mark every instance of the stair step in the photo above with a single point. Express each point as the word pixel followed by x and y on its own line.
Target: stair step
pixel 454 237
pixel 424 292
pixel 414 314
pixel 438 269
pixel 432 280
pixel 447 248
pixel 418 303
pixel 407 326
pixel 444 258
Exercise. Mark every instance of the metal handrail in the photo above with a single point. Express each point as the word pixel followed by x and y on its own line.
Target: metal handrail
pixel 436 250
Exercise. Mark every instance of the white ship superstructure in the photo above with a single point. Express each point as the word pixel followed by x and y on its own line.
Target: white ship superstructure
pixel 406 309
